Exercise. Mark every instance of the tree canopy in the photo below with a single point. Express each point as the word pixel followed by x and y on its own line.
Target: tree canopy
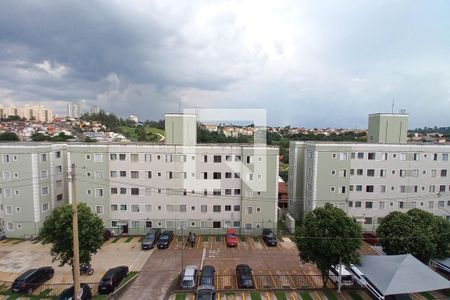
pixel 57 230
pixel 328 236
pixel 417 232
pixel 8 136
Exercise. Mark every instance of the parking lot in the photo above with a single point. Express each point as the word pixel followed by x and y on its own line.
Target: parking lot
pixel 16 256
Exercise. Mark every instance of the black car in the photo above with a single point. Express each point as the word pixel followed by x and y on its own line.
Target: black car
pixel 165 239
pixel 244 277
pixel 67 294
pixel 32 279
pixel 151 238
pixel 269 237
pixel 206 292
pixel 112 279
pixel 208 275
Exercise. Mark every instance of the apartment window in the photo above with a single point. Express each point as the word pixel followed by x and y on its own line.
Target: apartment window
pixel 371 156
pixel 402 156
pixel 98 175
pixel 228 175
pixel 123 191
pixel 43 157
pixel 217 158
pixel 134 208
pixel 123 173
pixel 122 156
pixel 442 188
pixel 352 155
pixel 444 173
pixel 249 210
pixel 237 158
pixel 6 175
pixel 228 158
pixel 333 172
pixel 250 176
pixel 203 208
pixel 360 155
pixel 432 189
pixel 98 157
pixel 6 158
pixel 444 156
pixel 113 191
pixel 384 156
pixel 237 191
pixel 350 188
pixel 99 209
pixel 369 204
pixel 44 191
pixel 205 158
pixel 113 156
pixel 205 192
pixel 134 174
pixel 433 173
pixel 371 172
pixel 383 173
pixel 98 192
pixel 382 189
pixel 44 173
pixel 183 208
pixel 237 175
pixel 227 192
pixel 9 209
pixel 342 190
pixel 217 175
pixel 401 204
pixel 135 191
pixel 7 192
pixel 358 204
pixel 402 189
pixel 416 156
pixel 368 220
pixel 88 157
pixel 342 173
pixel 332 189
pixel 216 208
pixel 45 207
pixel 123 207
pixel 360 172
pixel 58 169
pixel 435 156
pixel 249 159
pixel 431 204
pixel 380 205
pixel 147 157
pixel 352 171
pixel 149 174
pixel 343 156
pixel 134 157
pixel 350 203
pixel 236 208
pixel 217 192
pixel 59 197
pixel 369 188
pixel 441 204
pixel 358 188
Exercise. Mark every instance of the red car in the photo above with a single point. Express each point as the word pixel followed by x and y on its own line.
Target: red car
pixel 371 238
pixel 231 238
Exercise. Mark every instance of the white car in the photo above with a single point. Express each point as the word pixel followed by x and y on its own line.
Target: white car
pixel 358 276
pixel 188 277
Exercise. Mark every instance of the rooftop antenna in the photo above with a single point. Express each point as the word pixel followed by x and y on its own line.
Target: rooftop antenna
pixel 393 103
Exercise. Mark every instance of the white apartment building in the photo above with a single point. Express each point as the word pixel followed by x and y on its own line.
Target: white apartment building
pixel 368 180
pixel 73 110
pixel 201 188
pixel 30 112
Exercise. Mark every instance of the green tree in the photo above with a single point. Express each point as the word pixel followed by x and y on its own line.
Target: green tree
pixel 417 232
pixel 57 230
pixel 39 137
pixel 8 136
pixel 328 237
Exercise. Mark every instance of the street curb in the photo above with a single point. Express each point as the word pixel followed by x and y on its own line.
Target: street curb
pixel 117 293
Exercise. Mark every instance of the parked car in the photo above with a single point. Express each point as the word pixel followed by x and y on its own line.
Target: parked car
pixel 358 276
pixel 208 275
pixel 67 294
pixel 112 279
pixel 188 277
pixel 165 239
pixel 244 276
pixel 206 292
pixel 107 234
pixel 371 238
pixel 231 238
pixel 151 238
pixel 346 276
pixel 269 237
pixel 32 279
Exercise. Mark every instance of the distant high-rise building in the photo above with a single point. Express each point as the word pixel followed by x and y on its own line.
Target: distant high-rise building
pixel 95 109
pixel 36 112
pixel 73 110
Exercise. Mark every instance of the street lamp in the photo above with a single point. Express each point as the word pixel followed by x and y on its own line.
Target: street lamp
pixel 182 247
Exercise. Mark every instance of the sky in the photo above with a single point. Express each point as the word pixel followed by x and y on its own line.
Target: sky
pixel 307 63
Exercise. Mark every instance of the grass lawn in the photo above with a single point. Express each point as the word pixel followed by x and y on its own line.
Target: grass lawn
pixel 129 275
pixel 427 295
pixel 306 296
pixel 180 297
pixel 100 297
pixel 256 238
pixel 330 295
pixel 128 239
pixel 280 295
pixel 206 238
pixel 218 238
pixel 242 238
pixel 255 296
pixel 115 240
pixel 355 295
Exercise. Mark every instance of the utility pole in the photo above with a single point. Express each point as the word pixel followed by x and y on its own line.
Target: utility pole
pixel 76 254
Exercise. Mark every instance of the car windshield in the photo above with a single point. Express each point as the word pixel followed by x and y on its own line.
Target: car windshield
pixel 149 236
pixel 164 238
pixel 207 294
pixel 232 235
pixel 189 282
pixel 270 234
